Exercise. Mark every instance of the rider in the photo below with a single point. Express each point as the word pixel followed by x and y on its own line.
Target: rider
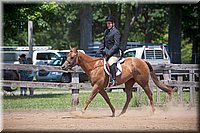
pixel 109 47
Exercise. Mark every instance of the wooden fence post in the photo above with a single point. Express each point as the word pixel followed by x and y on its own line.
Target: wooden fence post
pixel 75 91
pixel 139 95
pixel 166 75
pixel 192 89
pixel 158 94
pixel 30 38
pixel 180 90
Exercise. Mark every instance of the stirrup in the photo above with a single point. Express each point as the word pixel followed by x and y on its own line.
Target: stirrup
pixel 112 83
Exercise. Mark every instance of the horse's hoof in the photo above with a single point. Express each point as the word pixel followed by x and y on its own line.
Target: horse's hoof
pixel 121 114
pixel 83 111
pixel 153 111
pixel 113 115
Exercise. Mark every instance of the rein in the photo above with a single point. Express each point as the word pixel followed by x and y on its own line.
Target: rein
pixel 91 61
pixel 72 63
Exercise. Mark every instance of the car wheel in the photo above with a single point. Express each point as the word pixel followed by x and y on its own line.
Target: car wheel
pixel 66 78
pixel 10 75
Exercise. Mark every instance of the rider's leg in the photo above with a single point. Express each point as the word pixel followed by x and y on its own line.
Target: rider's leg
pixel 113 68
pixel 113 73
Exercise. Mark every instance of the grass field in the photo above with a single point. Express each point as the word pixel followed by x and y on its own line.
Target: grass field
pixel 49 100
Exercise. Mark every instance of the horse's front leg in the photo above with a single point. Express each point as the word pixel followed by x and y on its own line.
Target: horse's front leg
pixel 90 98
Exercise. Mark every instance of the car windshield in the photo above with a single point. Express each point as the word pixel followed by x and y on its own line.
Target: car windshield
pixel 63 53
pixel 130 54
pixel 57 62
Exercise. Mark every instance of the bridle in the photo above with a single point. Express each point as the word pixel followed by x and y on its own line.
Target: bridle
pixel 72 62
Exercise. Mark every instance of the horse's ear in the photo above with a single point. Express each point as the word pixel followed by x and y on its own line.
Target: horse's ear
pixel 70 48
pixel 76 48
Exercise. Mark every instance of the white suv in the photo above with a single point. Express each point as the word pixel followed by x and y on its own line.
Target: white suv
pixel 44 57
pixel 53 58
pixel 155 54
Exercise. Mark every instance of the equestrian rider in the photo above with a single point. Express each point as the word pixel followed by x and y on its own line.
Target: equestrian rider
pixel 109 47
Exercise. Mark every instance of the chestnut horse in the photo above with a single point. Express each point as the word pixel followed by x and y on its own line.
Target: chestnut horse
pixel 133 70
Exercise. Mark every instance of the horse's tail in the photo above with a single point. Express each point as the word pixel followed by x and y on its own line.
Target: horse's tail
pixel 158 83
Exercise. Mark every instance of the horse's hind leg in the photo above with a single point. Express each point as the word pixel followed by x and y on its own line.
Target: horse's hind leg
pixel 128 90
pixel 150 95
pixel 105 96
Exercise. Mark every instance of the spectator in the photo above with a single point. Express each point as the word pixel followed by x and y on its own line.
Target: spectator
pixel 23 74
pixel 30 76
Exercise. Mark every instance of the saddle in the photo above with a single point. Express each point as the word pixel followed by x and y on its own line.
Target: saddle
pixel 119 67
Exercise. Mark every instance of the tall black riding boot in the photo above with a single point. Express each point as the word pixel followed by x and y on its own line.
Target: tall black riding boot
pixel 113 69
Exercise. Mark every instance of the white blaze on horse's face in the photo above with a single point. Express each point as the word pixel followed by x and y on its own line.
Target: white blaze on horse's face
pixel 71 60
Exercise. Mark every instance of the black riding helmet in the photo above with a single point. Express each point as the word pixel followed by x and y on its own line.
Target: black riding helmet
pixel 110 18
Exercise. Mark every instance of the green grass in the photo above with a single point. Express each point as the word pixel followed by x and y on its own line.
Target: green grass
pixel 63 101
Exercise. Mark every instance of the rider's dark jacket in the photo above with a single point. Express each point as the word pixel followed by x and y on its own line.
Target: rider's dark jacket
pixel 111 42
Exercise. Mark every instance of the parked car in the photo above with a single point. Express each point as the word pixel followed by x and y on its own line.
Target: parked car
pixel 43 75
pixel 92 48
pixel 9 57
pixel 48 76
pixel 10 75
pixel 44 57
pixel 155 54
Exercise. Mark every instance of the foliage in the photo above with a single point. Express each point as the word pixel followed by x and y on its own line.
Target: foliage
pixel 52 22
pixel 191 33
pixel 58 23
pixel 186 51
pixel 152 22
pixel 190 22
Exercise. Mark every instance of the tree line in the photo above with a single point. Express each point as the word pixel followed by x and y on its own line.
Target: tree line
pixel 61 25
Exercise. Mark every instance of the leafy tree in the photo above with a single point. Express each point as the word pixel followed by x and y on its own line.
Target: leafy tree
pixel 190 23
pixel 51 22
pixel 15 23
pixel 152 23
pixel 62 24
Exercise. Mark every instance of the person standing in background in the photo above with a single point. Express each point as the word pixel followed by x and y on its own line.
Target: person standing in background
pixel 23 74
pixel 30 76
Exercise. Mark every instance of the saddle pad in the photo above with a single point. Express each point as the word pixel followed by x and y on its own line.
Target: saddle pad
pixel 119 67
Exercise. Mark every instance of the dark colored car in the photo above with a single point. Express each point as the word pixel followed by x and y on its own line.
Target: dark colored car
pixel 48 76
pixel 10 75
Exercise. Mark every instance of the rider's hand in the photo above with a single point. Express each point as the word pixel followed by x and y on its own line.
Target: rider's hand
pixel 98 53
pixel 104 52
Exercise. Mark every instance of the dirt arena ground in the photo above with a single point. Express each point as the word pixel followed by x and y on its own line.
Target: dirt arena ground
pixel 135 119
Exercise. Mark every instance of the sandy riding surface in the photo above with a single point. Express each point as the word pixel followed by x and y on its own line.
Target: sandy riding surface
pixel 135 119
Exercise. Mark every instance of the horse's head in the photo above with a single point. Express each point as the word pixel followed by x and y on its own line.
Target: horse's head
pixel 72 59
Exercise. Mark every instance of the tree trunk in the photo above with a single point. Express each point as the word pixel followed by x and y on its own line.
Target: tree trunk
pixel 174 40
pixel 195 52
pixel 126 27
pixel 148 37
pixel 129 21
pixel 86 26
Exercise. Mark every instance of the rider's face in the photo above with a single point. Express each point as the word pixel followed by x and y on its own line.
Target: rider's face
pixel 109 24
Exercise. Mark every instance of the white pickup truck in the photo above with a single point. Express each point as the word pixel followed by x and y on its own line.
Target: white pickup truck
pixel 155 54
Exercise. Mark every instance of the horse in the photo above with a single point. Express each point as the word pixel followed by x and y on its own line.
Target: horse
pixel 133 70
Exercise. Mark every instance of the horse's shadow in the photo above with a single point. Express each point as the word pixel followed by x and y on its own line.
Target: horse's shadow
pixel 81 115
